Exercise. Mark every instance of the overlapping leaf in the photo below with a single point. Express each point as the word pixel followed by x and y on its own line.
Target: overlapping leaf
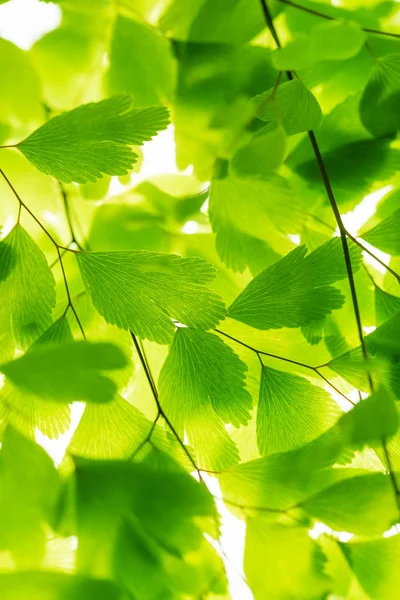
pixel 291 411
pixel 202 382
pixel 380 102
pixel 30 488
pixel 67 372
pixel 142 291
pixel 296 290
pixel 293 104
pixel 150 543
pixel 27 287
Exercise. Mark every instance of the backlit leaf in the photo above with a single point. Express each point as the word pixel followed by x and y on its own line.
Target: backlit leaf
pixel 291 411
pixel 26 287
pixel 203 379
pixel 93 140
pixel 152 288
pixel 296 290
pixel 380 102
pixel 67 372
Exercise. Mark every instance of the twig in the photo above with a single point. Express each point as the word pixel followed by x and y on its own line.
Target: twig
pixel 260 353
pixel 317 13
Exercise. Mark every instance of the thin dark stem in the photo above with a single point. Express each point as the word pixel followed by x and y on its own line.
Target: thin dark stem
pixel 260 353
pixel 390 470
pixel 345 246
pixel 157 401
pixel 146 439
pixel 361 245
pixel 19 213
pixel 21 204
pixel 55 261
pixel 68 215
pixel 317 13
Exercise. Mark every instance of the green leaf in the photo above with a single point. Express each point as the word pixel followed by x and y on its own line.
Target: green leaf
pixel 264 153
pixel 144 540
pixel 364 504
pixel 296 290
pixel 25 411
pixel 116 430
pixel 30 488
pixel 151 289
pixel 27 287
pixel 354 168
pixel 225 22
pixel 371 420
pixel 336 40
pixel 295 55
pixel 251 218
pixel 386 305
pixel 385 235
pixel 293 103
pixel 375 564
pixel 31 585
pixel 380 102
pixel 291 411
pixel 93 140
pixel 70 59
pixel 67 372
pixel 202 381
pixel 270 548
pixel 141 63
pixel 383 352
pixel 13 106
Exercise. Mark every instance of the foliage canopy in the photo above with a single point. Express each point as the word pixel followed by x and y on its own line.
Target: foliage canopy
pixel 194 317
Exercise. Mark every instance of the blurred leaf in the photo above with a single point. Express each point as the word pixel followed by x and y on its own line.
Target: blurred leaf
pixel 364 504
pixel 67 372
pixel 380 102
pixel 25 411
pixel 295 55
pixel 264 153
pixel 141 63
pixel 269 550
pixel 30 488
pixel 143 539
pixel 56 586
pixel 336 40
pixel 374 563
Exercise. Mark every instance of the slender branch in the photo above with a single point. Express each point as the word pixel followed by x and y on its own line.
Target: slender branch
pixel 58 247
pixel 345 246
pixel 360 245
pixel 68 215
pixel 157 401
pixel 260 353
pixel 381 262
pixel 317 13
pixel 147 439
